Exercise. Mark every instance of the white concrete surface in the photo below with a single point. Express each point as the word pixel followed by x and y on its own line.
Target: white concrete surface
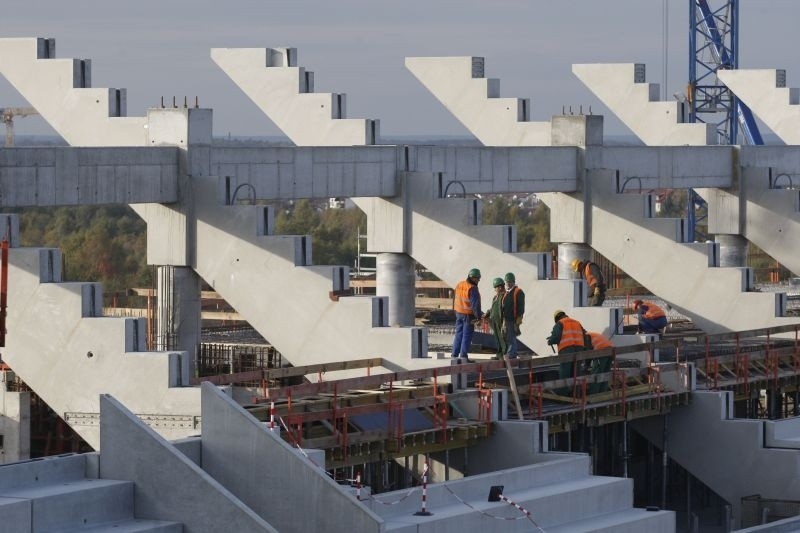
pixel 726 454
pixel 622 88
pixel 764 91
pixel 459 84
pixel 15 421
pixel 83 354
pixel 61 91
pixel 271 78
pixel 87 176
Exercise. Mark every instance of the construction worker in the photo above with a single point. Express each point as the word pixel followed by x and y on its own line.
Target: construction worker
pixel 513 309
pixel 601 365
pixel 568 334
pixel 467 305
pixel 594 278
pixel 495 316
pixel 652 319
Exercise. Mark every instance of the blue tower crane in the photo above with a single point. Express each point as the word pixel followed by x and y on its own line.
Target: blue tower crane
pixel 714 45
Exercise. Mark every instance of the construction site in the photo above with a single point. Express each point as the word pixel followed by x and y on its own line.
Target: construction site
pixel 251 389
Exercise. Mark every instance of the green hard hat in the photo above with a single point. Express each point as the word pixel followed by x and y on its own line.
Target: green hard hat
pixel 510 277
pixel 496 282
pixel 474 273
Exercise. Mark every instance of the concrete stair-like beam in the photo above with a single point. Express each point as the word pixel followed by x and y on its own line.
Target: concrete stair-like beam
pixel 271 280
pixel 622 88
pixel 84 355
pixel 764 91
pixel 62 93
pixel 271 78
pixel 650 251
pixel 733 461
pixel 459 84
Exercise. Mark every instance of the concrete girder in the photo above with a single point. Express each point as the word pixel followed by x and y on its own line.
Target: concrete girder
pixel 60 90
pixel 727 454
pixel 459 84
pixel 84 354
pixel 622 88
pixel 716 299
pixel 285 93
pixel 87 176
pixel 764 91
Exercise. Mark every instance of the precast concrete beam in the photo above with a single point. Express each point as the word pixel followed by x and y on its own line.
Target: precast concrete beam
pixel 271 78
pixel 716 299
pixel 493 170
pixel 764 91
pixel 39 177
pixel 62 93
pixel 622 88
pixel 85 354
pixel 459 84
pixel 284 173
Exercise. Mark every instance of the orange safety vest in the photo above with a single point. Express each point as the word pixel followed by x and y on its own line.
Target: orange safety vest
pixel 571 333
pixel 461 301
pixel 653 311
pixel 589 277
pixel 515 289
pixel 599 341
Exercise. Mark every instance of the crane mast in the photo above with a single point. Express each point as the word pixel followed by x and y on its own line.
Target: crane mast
pixel 8 114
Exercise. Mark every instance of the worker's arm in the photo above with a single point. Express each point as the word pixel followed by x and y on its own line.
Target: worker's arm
pixel 475 301
pixel 520 306
pixel 555 335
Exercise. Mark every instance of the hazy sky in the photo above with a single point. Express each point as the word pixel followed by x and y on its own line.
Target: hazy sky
pixel 161 48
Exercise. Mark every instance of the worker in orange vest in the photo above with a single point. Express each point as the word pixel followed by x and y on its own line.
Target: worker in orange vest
pixel 594 278
pixel 467 305
pixel 601 365
pixel 652 319
pixel 568 334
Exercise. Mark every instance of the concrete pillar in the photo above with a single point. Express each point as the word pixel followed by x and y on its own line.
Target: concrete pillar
pixel 567 251
pixel 15 424
pixel 395 279
pixel 732 250
pixel 178 310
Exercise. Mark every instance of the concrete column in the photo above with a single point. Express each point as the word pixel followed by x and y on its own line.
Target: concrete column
pixel 395 279
pixel 15 424
pixel 567 251
pixel 178 310
pixel 732 250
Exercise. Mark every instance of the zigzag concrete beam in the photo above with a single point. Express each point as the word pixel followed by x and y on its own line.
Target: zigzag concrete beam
pixel 271 78
pixel 459 84
pixel 622 88
pixel 84 354
pixel 764 91
pixel 87 176
pixel 61 91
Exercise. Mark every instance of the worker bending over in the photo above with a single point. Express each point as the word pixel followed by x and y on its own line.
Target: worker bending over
pixel 594 278
pixel 601 365
pixel 652 319
pixel 568 334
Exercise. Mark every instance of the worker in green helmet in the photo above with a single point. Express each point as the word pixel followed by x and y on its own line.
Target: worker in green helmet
pixel 513 309
pixel 495 316
pixel 467 306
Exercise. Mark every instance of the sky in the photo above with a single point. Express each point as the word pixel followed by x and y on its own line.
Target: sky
pixel 162 48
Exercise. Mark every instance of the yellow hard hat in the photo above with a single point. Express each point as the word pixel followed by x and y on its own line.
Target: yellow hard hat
pixel 576 264
pixel 558 314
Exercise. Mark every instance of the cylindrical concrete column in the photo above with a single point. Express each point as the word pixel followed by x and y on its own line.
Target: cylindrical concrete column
pixel 567 251
pixel 395 279
pixel 732 250
pixel 178 310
